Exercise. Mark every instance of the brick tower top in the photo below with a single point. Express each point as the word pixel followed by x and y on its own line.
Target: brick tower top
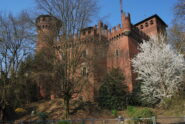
pixel 152 26
pixel 48 23
pixel 48 28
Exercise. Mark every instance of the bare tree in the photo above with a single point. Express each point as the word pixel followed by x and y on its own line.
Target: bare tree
pixel 180 9
pixel 15 35
pixel 176 33
pixel 75 14
pixel 68 74
pixel 176 37
pixel 179 12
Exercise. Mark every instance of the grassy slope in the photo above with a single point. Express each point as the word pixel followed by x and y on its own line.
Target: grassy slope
pixel 54 108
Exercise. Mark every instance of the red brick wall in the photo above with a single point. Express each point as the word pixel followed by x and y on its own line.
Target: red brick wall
pixel 122 60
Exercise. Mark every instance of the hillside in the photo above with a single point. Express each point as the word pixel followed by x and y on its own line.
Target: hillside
pixel 54 110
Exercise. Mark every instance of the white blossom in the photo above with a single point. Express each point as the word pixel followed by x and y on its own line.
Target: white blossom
pixel 160 70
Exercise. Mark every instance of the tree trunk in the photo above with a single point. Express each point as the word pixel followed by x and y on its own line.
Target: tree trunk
pixel 1 114
pixel 66 105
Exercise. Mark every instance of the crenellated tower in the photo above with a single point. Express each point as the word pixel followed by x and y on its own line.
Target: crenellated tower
pixel 126 23
pixel 48 29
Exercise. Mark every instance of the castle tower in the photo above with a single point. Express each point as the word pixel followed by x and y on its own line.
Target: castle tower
pixel 152 26
pixel 126 23
pixel 48 29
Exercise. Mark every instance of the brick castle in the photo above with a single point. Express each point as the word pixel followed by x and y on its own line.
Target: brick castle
pixel 115 49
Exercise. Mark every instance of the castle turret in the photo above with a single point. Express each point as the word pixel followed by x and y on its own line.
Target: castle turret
pixel 152 26
pixel 126 23
pixel 48 28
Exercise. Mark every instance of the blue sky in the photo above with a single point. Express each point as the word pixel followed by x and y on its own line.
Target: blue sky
pixel 109 9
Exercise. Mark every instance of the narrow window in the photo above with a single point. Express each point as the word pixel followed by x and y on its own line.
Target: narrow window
pixel 38 27
pixel 84 53
pixel 89 31
pixel 141 27
pixel 43 19
pixel 151 22
pixel 63 54
pixel 84 71
pixel 146 24
pixel 117 53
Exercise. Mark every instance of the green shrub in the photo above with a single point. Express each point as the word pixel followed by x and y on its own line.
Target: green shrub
pixel 42 115
pixel 144 113
pixel 112 92
pixel 114 112
pixel 175 102
pixel 64 122
pixel 137 113
pixel 131 110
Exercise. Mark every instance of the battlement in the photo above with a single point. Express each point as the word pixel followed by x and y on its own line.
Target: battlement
pixel 115 32
pixel 48 22
pixel 101 29
pixel 88 31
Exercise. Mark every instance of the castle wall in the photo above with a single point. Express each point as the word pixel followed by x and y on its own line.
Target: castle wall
pixel 133 51
pixel 105 49
pixel 149 27
pixel 118 57
pixel 152 26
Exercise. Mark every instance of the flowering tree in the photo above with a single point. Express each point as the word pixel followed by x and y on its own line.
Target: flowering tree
pixel 160 70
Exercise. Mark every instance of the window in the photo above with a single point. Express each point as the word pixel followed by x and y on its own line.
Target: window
pixel 38 27
pixel 84 53
pixel 84 71
pixel 146 24
pixel 141 27
pixel 89 31
pixel 151 22
pixel 43 19
pixel 117 53
pixel 63 54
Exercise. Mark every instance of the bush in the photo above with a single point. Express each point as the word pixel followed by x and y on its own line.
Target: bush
pixel 114 112
pixel 144 113
pixel 64 122
pixel 137 113
pixel 175 103
pixel 131 110
pixel 112 93
pixel 42 115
